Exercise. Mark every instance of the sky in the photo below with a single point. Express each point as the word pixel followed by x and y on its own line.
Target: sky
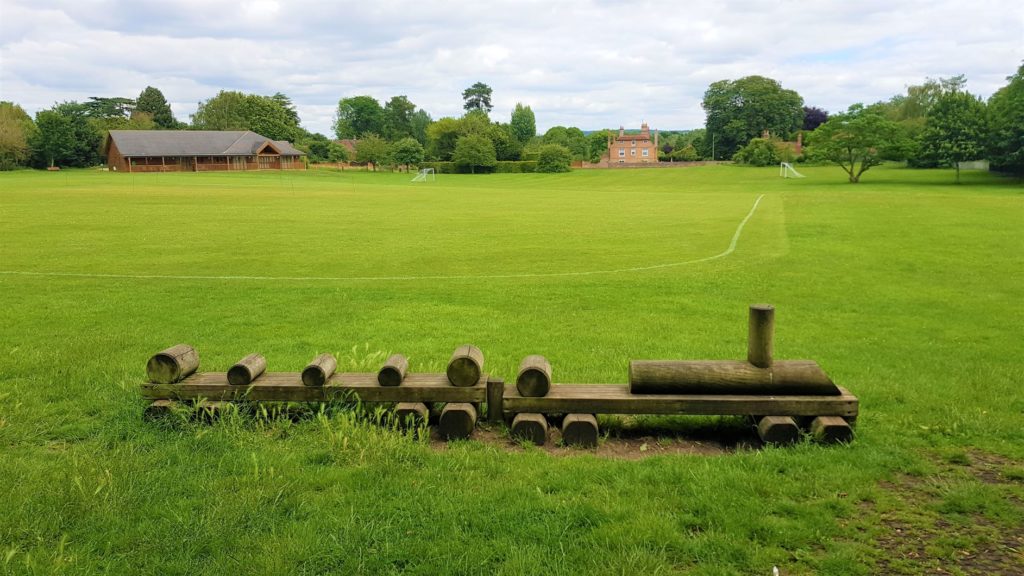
pixel 587 63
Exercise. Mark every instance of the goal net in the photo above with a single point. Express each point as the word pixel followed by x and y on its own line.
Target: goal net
pixel 424 175
pixel 786 170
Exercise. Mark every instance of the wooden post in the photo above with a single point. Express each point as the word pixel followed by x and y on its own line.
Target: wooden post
pixel 580 430
pixel 457 421
pixel 495 399
pixel 393 371
pixel 466 366
pixel 531 427
pixel 246 370
pixel 831 430
pixel 761 333
pixel 319 370
pixel 534 378
pixel 785 377
pixel 172 365
pixel 411 414
pixel 778 430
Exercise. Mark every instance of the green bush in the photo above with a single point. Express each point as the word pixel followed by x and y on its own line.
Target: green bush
pixel 441 167
pixel 554 158
pixel 515 167
pixel 763 152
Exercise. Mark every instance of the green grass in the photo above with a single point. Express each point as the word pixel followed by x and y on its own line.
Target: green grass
pixel 906 288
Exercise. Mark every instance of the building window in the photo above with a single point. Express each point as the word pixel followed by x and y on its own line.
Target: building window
pixel 632 142
pixel 644 152
pixel 632 152
pixel 622 152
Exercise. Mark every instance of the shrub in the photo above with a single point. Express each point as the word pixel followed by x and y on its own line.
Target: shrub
pixel 553 158
pixel 763 152
pixel 515 167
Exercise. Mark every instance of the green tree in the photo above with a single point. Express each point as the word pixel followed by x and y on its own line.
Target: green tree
pixel 597 145
pixel 506 147
pixel 418 124
pixel 1006 125
pixel 225 111
pixel 475 151
pixel 372 149
pixel 955 130
pixel 477 97
pixel 319 148
pixel 151 101
pixel 64 137
pixel 286 104
pixel 16 129
pixel 523 124
pixel 556 135
pixel 407 152
pixel 554 158
pixel 763 152
pixel 738 110
pixel 442 137
pixel 576 142
pixel 474 122
pixel 104 107
pixel 357 116
pixel 397 118
pixel 856 140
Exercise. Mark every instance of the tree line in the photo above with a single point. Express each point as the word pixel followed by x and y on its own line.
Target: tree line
pixel 935 124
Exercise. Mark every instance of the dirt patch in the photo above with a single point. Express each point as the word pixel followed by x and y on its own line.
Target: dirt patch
pixel 917 538
pixel 623 444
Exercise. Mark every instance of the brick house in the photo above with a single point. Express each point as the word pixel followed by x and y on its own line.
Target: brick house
pixel 633 148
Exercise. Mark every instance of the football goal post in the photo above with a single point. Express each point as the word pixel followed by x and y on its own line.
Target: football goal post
pixel 786 170
pixel 425 175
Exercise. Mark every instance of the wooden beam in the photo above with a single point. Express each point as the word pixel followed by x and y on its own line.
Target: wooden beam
pixel 288 387
pixel 831 430
pixel 616 399
pixel 580 430
pixel 760 335
pixel 495 399
pixel 778 430
pixel 531 427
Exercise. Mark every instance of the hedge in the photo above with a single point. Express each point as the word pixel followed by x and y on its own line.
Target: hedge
pixel 503 167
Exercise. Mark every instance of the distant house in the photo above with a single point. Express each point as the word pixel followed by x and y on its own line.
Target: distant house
pixel 633 148
pixel 197 151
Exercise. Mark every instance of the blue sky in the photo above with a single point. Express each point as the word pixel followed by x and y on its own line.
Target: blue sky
pixel 592 64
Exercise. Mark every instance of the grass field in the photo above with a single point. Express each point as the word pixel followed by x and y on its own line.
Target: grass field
pixel 906 288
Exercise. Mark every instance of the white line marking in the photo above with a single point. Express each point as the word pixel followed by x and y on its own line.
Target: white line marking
pixel 728 251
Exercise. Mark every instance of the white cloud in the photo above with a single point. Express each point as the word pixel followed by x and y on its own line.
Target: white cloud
pixel 590 64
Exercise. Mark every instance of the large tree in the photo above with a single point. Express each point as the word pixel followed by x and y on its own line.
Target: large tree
pixel 523 123
pixel 813 117
pixel 1006 125
pixel 372 149
pixel 397 118
pixel 475 151
pixel 357 116
pixel 418 123
pixel 16 129
pixel 738 110
pixel 477 97
pixel 265 115
pixel 151 101
pixel 442 137
pixel 955 130
pixel 64 137
pixel 407 152
pixel 856 140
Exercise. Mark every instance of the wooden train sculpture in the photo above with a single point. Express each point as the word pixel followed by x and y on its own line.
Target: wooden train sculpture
pixel 782 397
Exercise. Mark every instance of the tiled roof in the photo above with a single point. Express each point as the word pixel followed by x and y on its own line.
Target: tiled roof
pixel 195 143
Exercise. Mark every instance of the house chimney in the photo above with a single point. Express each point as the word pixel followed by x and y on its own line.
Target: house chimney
pixel 656 142
pixel 622 131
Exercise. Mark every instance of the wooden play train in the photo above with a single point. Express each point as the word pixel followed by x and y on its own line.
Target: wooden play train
pixel 784 398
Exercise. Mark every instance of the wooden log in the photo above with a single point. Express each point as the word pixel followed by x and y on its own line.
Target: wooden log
pixel 580 430
pixel 159 409
pixel 760 335
pixel 172 365
pixel 831 430
pixel 616 399
pixel 531 427
pixel 495 399
pixel 778 430
pixel 319 370
pixel 457 421
pixel 393 371
pixel 785 377
pixel 466 366
pixel 246 370
pixel 534 378
pixel 411 414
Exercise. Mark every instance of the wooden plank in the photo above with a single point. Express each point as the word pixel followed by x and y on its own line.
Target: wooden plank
pixel 495 399
pixel 288 387
pixel 616 399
